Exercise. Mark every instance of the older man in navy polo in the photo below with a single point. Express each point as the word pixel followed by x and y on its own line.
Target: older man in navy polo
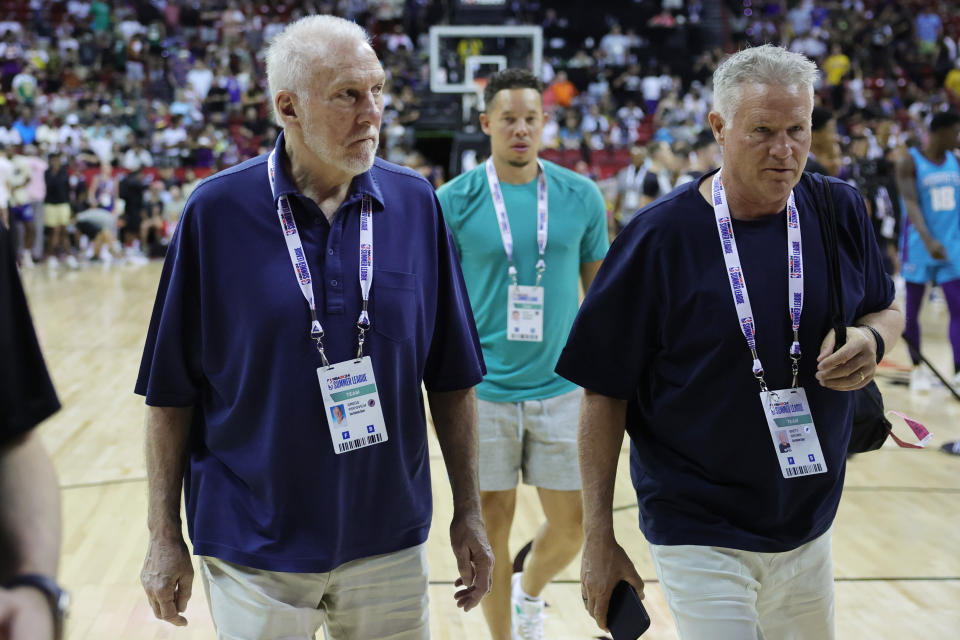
pixel 314 278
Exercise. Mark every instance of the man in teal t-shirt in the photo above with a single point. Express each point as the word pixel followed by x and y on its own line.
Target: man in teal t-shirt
pixel 528 232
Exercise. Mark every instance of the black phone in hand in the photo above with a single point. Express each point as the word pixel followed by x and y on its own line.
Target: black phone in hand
pixel 626 617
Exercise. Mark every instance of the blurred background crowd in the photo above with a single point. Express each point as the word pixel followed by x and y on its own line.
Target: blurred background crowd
pixel 119 107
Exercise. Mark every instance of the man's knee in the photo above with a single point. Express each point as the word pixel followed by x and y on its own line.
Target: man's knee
pixel 498 509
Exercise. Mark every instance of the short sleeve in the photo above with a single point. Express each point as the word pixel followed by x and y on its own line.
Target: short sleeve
pixel 616 331
pixel 454 360
pixel 170 371
pixel 27 396
pixel 448 208
pixel 596 240
pixel 878 289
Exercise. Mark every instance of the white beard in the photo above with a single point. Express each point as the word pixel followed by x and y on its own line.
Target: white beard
pixel 354 161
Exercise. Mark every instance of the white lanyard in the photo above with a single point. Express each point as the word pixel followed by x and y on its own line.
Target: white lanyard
pixel 504 222
pixel 302 270
pixel 738 285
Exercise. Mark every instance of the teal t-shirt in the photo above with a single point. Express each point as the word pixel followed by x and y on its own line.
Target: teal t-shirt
pixel 576 234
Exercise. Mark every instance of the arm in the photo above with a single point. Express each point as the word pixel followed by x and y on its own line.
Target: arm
pixel 588 271
pixel 455 419
pixel 841 370
pixel 30 528
pixel 605 563
pixel 167 574
pixel 907 184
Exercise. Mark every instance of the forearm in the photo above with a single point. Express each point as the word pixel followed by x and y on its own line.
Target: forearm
pixel 30 518
pixel 167 439
pixel 600 435
pixel 889 324
pixel 455 419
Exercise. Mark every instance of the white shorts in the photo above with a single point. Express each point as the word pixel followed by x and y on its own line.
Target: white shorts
pixel 716 593
pixel 377 598
pixel 538 437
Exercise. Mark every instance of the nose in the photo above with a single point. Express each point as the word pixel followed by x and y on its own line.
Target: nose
pixel 372 109
pixel 782 147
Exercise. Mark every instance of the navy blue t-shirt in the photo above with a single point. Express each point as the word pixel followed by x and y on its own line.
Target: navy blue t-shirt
pixel 659 328
pixel 230 336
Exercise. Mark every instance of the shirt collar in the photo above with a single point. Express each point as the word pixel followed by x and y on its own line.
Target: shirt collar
pixel 363 184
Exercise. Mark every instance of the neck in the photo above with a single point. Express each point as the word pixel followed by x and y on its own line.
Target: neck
pixel 936 152
pixel 740 208
pixel 512 174
pixel 327 187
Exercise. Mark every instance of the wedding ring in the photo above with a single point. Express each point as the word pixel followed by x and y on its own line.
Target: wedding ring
pixel 862 378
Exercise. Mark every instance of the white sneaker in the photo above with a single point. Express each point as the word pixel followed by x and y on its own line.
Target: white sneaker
pixel 52 262
pixel 26 260
pixel 71 262
pixel 920 380
pixel 526 614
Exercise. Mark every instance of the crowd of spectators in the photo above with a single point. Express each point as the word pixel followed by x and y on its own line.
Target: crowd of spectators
pixel 141 87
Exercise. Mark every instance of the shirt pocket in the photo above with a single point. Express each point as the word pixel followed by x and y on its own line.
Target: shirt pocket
pixel 394 304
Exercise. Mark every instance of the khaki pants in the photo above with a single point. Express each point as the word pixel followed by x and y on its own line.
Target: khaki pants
pixel 717 593
pixel 377 598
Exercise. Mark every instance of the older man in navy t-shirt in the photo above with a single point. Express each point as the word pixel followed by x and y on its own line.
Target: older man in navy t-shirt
pixel 689 336
pixel 306 296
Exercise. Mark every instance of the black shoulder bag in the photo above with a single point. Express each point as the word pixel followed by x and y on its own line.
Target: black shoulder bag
pixel 870 425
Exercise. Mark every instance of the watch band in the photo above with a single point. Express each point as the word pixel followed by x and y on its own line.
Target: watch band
pixel 878 338
pixel 58 597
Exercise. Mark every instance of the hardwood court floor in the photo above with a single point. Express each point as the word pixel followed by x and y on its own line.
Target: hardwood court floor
pixel 897 546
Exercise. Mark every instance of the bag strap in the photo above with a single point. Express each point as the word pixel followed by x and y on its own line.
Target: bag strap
pixel 828 230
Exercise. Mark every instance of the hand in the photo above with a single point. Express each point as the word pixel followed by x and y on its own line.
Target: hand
pixel 167 577
pixel 852 366
pixel 474 560
pixel 936 250
pixel 25 614
pixel 604 564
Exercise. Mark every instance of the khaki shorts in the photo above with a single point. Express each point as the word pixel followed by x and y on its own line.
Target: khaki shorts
pixel 56 215
pixel 376 598
pixel 717 593
pixel 537 437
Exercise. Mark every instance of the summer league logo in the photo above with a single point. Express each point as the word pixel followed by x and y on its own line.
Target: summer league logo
pixel 726 234
pixel 365 253
pixel 286 219
pixel 780 408
pixel 747 324
pixel 793 218
pixel 736 281
pixel 302 271
pixel 717 188
pixel 345 380
pixel 795 260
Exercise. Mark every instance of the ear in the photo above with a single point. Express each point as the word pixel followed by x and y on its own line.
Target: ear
pixel 718 126
pixel 485 123
pixel 286 106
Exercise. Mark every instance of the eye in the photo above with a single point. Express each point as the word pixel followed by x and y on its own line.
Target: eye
pixel 377 90
pixel 762 130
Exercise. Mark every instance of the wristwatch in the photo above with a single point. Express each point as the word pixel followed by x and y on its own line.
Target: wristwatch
pixel 58 597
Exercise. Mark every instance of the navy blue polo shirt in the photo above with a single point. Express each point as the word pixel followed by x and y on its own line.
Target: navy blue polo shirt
pixel 659 328
pixel 230 336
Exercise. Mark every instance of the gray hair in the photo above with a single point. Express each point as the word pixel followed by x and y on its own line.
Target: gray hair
pixel 767 65
pixel 292 54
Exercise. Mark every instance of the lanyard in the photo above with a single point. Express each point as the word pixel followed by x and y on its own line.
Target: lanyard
pixel 302 270
pixel 505 234
pixel 738 285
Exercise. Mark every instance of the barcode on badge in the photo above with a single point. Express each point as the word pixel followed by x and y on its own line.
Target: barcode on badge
pixel 360 443
pixel 803 470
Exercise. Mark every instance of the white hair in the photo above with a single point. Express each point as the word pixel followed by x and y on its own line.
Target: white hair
pixel 293 53
pixel 766 65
